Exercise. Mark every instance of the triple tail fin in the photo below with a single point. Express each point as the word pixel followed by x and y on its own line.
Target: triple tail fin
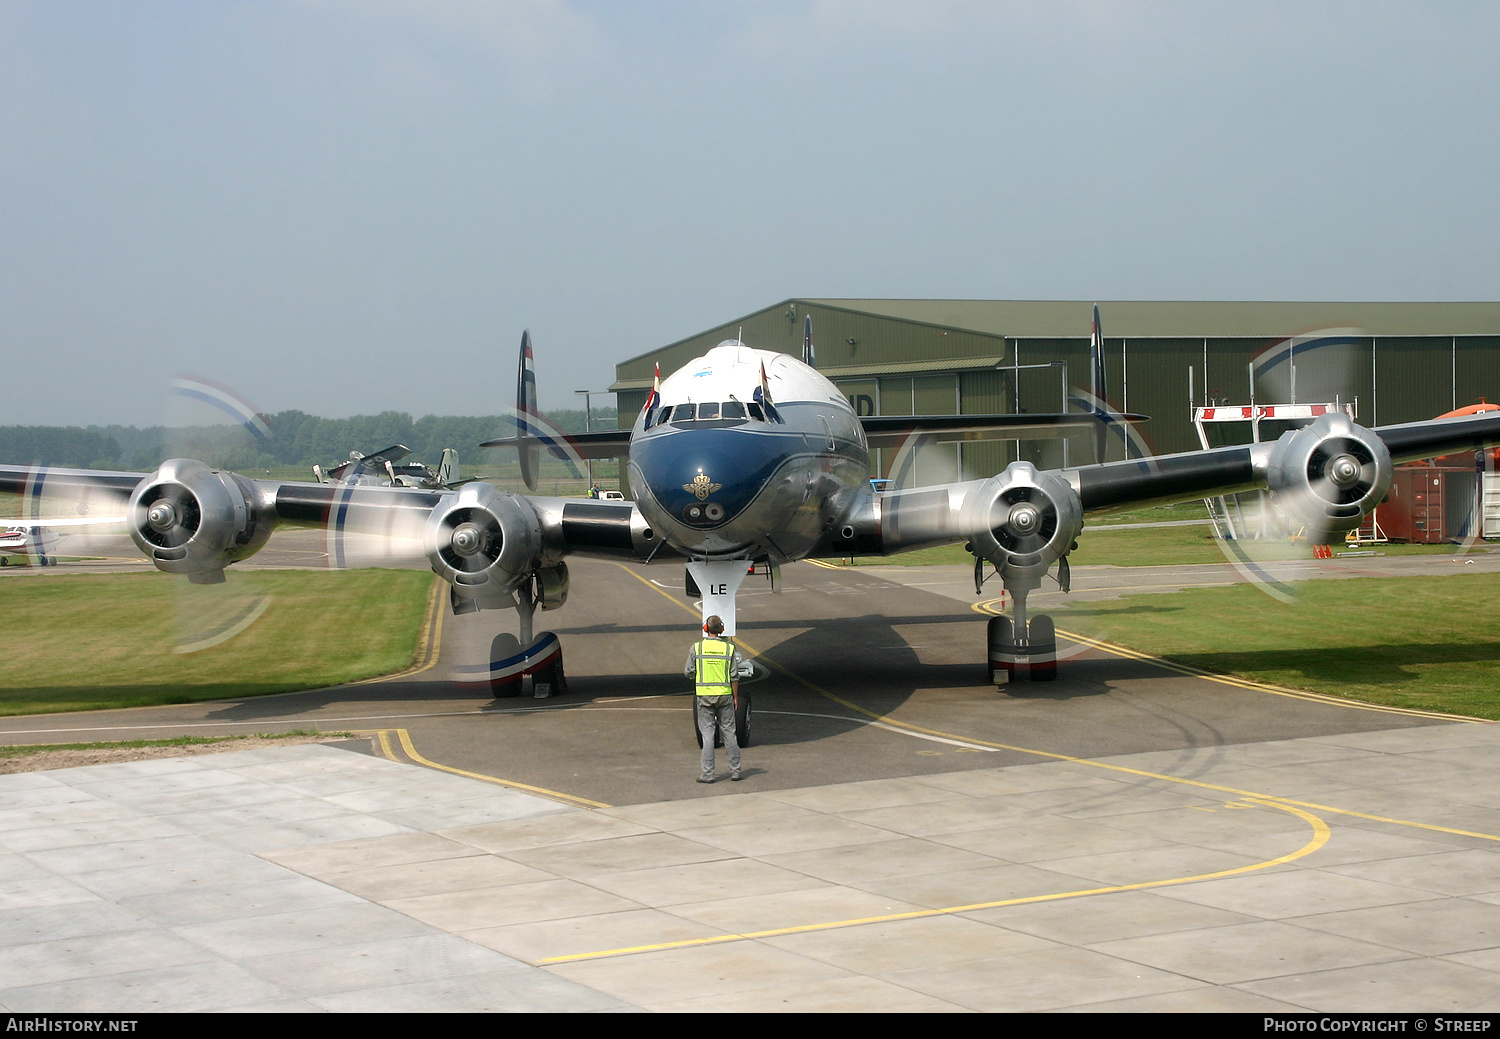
pixel 526 412
pixel 1096 357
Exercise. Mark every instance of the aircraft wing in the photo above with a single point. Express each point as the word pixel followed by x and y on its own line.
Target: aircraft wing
pixel 1200 474
pixel 394 453
pixel 880 431
pixel 50 495
pixel 608 443
pixel 1326 477
pixel 190 519
pixel 891 430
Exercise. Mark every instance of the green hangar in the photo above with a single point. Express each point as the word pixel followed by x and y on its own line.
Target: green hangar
pixel 1396 362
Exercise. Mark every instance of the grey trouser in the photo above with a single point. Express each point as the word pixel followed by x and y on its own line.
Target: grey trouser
pixel 717 710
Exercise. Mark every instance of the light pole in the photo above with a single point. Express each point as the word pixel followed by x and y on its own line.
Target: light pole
pixel 588 426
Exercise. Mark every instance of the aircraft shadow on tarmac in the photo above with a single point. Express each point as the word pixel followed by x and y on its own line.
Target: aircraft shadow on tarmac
pixel 878 662
pixel 875 661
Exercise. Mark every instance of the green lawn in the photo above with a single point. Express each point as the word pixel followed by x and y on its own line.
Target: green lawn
pixel 1149 546
pixel 80 642
pixel 1422 642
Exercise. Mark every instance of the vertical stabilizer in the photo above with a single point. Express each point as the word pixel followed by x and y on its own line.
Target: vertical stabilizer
pixel 447 474
pixel 526 411
pixel 1098 388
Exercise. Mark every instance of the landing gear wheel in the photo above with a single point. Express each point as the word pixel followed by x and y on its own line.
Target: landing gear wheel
pixel 1043 649
pixel 1001 639
pixel 556 677
pixel 742 720
pixel 504 647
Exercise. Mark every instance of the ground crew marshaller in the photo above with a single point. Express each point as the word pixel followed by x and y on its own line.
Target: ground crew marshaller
pixel 714 665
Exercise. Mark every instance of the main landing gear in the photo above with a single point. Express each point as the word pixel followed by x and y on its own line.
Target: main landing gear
pixel 528 664
pixel 1031 653
pixel 1019 648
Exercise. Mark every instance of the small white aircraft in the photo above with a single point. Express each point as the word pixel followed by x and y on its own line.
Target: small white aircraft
pixel 34 542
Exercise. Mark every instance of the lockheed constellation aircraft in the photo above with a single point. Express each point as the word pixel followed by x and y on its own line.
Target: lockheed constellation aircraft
pixel 744 458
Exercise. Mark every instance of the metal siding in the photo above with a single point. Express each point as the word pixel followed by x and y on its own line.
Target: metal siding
pixel 982 393
pixel 935 395
pixel 895 396
pixel 863 394
pixel 1158 388
pixel 1412 378
pixel 1478 369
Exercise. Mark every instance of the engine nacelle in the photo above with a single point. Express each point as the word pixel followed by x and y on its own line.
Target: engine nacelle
pixel 190 519
pixel 484 543
pixel 1327 475
pixel 1023 521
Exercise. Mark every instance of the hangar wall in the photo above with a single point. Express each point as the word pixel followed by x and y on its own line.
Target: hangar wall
pixel 1400 362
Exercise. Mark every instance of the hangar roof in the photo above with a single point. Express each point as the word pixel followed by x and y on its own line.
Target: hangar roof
pixel 1058 319
pixel 981 328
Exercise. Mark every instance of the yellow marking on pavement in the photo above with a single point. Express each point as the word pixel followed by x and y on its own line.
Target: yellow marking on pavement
pixel 1106 766
pixel 988 606
pixel 1320 836
pixel 407 754
pixel 430 643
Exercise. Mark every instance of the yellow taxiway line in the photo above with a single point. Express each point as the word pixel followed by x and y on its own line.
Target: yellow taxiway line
pixel 1321 832
pixel 408 755
pixel 1320 836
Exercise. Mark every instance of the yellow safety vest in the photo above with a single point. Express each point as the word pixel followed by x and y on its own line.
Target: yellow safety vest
pixel 715 658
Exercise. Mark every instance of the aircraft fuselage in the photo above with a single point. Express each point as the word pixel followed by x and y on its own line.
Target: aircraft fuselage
pixel 726 467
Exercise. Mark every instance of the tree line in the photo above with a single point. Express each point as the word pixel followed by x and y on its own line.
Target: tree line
pixel 297 439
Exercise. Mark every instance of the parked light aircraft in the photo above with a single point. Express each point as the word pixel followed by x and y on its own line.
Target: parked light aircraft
pixel 39 543
pixel 385 468
pixel 42 542
pixel 749 456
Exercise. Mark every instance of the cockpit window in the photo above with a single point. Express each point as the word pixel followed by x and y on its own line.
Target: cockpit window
pixel 711 411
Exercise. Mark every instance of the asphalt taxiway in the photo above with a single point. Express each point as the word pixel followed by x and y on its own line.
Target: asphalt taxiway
pixel 908 837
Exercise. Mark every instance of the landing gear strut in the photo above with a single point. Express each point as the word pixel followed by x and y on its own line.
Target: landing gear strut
pixel 530 665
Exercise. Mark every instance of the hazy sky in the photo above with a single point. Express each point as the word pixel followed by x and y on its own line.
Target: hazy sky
pixel 350 206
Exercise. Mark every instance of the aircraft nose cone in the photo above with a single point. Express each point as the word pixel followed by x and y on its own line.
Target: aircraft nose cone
pixel 705 478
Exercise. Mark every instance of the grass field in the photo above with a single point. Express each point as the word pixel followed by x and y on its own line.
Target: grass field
pixel 93 641
pixel 1418 642
pixel 1149 546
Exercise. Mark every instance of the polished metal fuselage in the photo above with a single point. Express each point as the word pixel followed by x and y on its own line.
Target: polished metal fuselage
pixel 772 486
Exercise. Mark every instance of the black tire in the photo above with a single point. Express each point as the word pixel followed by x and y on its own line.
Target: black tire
pixel 1043 639
pixel 1000 638
pixel 505 646
pixel 742 720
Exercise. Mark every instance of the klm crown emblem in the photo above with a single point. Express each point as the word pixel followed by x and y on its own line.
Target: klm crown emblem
pixel 701 486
